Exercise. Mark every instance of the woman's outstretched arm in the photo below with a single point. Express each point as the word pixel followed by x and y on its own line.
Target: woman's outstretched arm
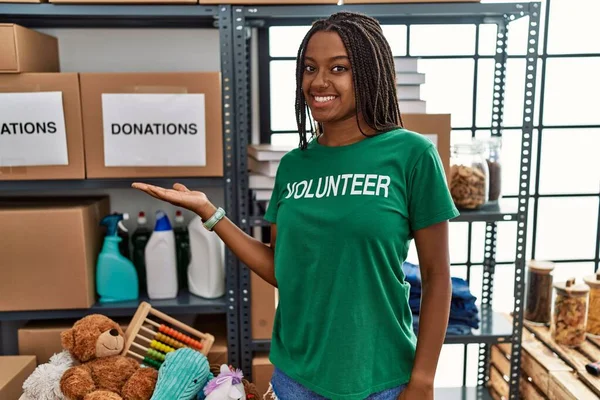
pixel 258 256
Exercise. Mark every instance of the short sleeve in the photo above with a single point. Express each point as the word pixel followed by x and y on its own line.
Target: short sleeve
pixel 429 199
pixel 273 205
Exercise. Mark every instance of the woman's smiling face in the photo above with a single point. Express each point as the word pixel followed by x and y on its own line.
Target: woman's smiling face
pixel 327 78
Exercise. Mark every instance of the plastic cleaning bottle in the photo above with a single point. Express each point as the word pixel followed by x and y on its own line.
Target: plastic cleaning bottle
pixel 161 260
pixel 139 240
pixel 206 272
pixel 116 278
pixel 182 244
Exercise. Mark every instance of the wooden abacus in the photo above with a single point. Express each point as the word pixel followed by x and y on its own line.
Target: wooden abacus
pixel 151 335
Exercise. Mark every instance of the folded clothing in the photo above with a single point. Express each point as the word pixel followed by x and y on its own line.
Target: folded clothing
pixel 454 328
pixel 464 313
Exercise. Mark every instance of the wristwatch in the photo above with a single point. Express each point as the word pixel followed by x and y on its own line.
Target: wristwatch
pixel 210 223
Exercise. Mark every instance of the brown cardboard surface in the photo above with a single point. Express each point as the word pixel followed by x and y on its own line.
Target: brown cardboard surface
pixel 262 371
pixel 124 1
pixel 68 84
pixel 218 354
pixel 14 370
pixel 94 84
pixel 26 50
pixel 439 124
pixel 49 249
pixel 269 2
pixel 408 1
pixel 216 325
pixel 262 307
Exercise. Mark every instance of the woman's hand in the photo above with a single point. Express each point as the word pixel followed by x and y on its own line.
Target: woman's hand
pixel 415 391
pixel 180 196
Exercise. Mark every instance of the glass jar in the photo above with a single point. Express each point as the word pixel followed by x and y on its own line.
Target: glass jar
pixel 593 317
pixel 570 313
pixel 538 300
pixel 493 157
pixel 469 176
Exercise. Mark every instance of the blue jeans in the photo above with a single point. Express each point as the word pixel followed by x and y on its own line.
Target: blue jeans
pixel 285 388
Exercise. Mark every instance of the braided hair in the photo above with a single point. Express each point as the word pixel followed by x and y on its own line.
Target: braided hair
pixel 373 72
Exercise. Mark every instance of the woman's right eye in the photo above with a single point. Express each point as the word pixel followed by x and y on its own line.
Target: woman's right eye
pixel 309 68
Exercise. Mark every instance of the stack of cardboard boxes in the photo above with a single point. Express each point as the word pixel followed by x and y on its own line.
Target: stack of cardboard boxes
pixel 69 126
pixel 102 125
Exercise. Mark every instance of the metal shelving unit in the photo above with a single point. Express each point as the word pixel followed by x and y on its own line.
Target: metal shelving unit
pixel 93 184
pixel 140 16
pixel 494 328
pixel 185 303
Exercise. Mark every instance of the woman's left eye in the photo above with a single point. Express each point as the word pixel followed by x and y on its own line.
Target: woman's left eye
pixel 339 68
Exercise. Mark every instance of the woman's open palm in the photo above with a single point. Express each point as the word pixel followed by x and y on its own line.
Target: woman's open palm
pixel 179 196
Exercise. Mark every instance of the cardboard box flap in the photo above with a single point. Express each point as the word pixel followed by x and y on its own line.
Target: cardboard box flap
pixel 14 370
pixel 8 48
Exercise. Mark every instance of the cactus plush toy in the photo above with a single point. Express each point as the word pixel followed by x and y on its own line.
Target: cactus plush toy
pixel 182 375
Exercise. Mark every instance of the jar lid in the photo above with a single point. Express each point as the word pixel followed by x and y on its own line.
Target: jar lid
pixel 541 267
pixel 571 288
pixel 593 280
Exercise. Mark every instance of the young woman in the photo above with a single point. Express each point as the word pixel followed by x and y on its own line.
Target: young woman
pixel 345 207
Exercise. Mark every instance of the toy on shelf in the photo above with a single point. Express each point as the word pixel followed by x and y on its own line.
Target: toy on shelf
pixel 95 342
pixel 44 382
pixel 228 385
pixel 182 375
pixel 152 335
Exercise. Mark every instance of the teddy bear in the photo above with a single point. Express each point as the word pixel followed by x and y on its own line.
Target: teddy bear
pixel 96 343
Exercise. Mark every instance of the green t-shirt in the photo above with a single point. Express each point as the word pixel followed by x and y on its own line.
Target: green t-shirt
pixel 345 217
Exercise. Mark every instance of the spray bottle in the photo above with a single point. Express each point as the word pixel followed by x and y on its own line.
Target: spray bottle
pixel 116 278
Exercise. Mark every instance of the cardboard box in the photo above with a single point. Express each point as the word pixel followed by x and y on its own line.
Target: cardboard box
pixel 270 2
pixel 124 1
pixel 49 251
pixel 94 85
pixel 435 126
pixel 14 370
pixel 26 50
pixel 68 85
pixel 262 371
pixel 263 304
pixel 408 1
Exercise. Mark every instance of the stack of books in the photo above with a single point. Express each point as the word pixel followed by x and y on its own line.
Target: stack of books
pixel 408 85
pixel 263 161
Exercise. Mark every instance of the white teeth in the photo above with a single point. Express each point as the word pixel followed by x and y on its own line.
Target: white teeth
pixel 322 99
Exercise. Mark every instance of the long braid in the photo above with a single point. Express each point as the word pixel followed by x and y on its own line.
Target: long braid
pixel 373 72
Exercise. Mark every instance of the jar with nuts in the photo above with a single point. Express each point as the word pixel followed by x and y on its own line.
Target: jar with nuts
pixel 469 176
pixel 569 318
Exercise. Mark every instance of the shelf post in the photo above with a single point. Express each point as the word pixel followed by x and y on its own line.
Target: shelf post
pixel 534 10
pixel 230 175
pixel 491 229
pixel 242 93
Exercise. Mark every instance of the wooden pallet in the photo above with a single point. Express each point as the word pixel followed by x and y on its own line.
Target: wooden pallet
pixel 548 371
